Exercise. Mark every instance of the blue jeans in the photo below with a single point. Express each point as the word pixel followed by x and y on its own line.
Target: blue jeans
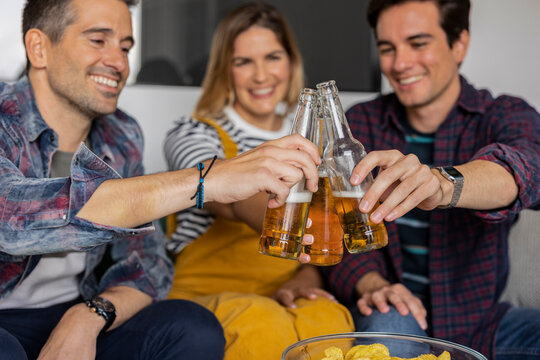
pixel 518 335
pixel 171 329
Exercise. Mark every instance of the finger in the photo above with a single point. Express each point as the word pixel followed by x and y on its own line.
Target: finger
pixel 300 160
pixel 309 223
pixel 398 303
pixel 307 239
pixel 304 258
pixel 285 298
pixel 308 293
pixel 296 141
pixel 383 158
pixel 380 301
pixel 364 307
pixel 387 178
pixel 419 312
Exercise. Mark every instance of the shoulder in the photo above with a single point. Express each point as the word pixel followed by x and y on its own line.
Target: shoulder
pixel 370 109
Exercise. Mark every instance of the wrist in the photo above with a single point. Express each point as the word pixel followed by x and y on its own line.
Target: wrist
pixel 446 188
pixel 454 181
pixel 81 316
pixel 370 282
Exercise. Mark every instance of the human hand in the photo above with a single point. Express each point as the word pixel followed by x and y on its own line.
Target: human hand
pixel 273 167
pixel 402 184
pixel 75 336
pixel 398 296
pixel 287 295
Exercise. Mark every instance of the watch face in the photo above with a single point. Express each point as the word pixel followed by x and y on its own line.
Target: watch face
pixel 104 304
pixel 452 172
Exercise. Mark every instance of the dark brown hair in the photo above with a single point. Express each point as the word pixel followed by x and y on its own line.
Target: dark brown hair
pixel 454 15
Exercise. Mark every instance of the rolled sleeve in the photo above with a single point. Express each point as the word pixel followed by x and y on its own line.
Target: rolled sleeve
pixel 39 214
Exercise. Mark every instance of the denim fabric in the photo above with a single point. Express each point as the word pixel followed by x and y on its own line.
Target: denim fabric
pixel 518 336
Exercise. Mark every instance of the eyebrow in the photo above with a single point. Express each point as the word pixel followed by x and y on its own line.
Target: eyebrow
pixel 108 31
pixel 410 38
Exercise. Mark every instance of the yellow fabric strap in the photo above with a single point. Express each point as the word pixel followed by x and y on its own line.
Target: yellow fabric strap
pixel 229 146
pixel 229 149
pixel 226 256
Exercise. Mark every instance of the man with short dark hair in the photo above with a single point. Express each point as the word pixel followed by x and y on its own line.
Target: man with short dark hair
pixel 81 267
pixel 455 168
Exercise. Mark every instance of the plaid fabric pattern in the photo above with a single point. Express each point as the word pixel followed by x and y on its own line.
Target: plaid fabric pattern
pixel 468 264
pixel 38 213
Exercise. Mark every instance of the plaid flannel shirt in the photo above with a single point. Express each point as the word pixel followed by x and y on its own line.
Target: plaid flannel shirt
pixel 38 213
pixel 468 255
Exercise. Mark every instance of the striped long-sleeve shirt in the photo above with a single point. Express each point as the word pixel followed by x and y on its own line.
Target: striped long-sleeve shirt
pixel 468 255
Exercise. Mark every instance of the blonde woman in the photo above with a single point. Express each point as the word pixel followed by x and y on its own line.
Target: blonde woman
pixel 252 82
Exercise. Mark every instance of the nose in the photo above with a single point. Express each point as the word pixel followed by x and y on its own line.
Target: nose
pixel 402 60
pixel 261 72
pixel 117 59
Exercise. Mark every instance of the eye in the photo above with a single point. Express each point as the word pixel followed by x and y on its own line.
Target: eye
pixel 384 50
pixel 240 62
pixel 418 45
pixel 97 41
pixel 275 57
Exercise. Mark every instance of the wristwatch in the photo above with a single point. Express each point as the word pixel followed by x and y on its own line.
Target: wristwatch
pixel 450 173
pixel 104 308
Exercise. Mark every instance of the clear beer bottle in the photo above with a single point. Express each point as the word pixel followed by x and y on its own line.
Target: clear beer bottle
pixel 341 156
pixel 283 227
pixel 327 247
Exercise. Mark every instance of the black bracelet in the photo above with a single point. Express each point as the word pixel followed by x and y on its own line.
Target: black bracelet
pixel 200 188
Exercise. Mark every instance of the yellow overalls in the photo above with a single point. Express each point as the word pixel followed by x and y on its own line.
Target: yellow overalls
pixel 223 271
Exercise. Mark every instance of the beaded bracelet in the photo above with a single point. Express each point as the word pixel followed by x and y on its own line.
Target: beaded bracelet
pixel 200 188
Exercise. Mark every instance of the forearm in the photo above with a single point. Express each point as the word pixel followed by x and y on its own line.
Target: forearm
pixel 487 186
pixel 135 201
pixel 250 211
pixel 127 301
pixel 307 276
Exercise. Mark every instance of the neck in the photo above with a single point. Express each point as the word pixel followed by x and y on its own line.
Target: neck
pixel 427 118
pixel 69 123
pixel 271 122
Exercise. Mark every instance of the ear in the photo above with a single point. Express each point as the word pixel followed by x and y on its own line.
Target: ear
pixel 36 43
pixel 460 46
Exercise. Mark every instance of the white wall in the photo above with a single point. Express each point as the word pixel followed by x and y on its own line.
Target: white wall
pixel 503 56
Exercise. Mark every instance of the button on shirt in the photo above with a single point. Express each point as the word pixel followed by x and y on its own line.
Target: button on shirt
pixel 468 258
pixel 38 214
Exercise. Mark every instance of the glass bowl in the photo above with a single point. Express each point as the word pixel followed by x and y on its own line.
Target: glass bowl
pixel 405 346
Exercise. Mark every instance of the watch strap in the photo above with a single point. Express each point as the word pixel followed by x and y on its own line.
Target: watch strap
pixel 457 179
pixel 109 316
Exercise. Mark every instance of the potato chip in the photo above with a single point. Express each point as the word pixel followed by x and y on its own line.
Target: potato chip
pixel 444 356
pixel 375 352
pixel 367 351
pixel 333 353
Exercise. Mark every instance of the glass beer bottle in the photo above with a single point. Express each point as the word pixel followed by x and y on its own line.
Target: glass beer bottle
pixel 283 227
pixel 327 247
pixel 341 156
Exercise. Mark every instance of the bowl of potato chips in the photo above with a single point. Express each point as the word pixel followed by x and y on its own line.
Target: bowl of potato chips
pixel 378 346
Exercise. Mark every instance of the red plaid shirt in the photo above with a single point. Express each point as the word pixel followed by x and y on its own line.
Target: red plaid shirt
pixel 468 257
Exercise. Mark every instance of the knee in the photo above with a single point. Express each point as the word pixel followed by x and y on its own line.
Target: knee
pixel 11 348
pixel 392 321
pixel 193 328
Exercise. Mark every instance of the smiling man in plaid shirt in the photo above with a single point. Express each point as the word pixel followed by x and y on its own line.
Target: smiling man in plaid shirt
pixel 455 167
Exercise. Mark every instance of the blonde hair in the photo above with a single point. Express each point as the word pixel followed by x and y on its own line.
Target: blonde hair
pixel 217 84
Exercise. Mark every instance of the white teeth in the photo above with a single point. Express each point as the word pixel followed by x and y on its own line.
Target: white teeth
pixel 105 81
pixel 262 91
pixel 410 80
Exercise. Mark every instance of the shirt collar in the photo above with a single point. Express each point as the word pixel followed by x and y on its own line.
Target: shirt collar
pixel 30 117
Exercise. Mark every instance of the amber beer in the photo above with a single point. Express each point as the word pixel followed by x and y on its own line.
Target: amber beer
pixel 283 227
pixel 360 234
pixel 327 248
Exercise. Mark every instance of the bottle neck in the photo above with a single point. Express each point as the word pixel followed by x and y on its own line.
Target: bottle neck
pixel 339 127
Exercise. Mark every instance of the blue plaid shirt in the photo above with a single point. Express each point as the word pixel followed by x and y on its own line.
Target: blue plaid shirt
pixel 38 213
pixel 468 261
